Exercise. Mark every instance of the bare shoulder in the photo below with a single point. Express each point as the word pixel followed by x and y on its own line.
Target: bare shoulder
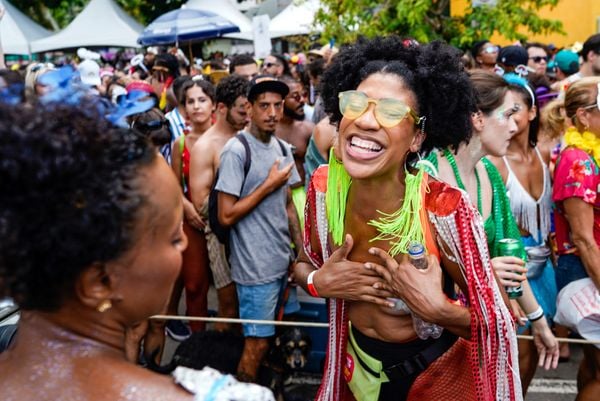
pixel 92 379
pixel 307 128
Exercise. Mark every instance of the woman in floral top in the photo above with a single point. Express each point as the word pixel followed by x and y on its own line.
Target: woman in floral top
pixel 577 217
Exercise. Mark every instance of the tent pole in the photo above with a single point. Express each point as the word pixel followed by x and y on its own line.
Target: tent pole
pixel 192 65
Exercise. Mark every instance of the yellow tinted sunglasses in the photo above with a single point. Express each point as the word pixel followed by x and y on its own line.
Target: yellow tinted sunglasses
pixel 388 112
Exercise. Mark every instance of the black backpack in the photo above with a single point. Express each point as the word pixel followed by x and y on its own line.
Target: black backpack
pixel 220 231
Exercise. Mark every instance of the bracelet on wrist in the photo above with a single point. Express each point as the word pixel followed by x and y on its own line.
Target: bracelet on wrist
pixel 309 283
pixel 536 315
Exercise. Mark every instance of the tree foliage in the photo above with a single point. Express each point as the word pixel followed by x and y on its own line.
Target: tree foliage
pixel 426 20
pixel 56 14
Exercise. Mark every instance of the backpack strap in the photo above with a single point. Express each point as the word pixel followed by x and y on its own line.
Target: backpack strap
pixel 248 159
pixel 282 146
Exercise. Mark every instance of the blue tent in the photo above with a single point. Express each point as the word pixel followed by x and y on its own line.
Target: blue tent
pixel 185 24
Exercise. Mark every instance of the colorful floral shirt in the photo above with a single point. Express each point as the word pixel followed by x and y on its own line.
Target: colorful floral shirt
pixel 576 176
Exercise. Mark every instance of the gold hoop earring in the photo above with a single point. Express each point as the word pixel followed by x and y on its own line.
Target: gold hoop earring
pixel 104 306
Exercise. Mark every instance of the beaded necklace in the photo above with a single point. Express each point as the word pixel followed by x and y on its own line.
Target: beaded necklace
pixel 587 141
pixel 452 161
pixel 399 228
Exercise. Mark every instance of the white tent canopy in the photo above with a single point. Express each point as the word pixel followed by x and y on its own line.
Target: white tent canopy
pixel 226 10
pixel 101 23
pixel 295 19
pixel 17 30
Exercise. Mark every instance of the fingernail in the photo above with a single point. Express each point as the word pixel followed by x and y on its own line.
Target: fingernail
pixel 368 266
pixel 372 251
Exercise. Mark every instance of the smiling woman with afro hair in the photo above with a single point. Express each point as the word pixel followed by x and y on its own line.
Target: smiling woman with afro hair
pixel 390 100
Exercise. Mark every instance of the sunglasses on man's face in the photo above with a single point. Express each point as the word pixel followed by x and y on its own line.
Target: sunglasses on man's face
pixel 297 96
pixel 388 112
pixel 269 65
pixel 538 59
pixel 490 49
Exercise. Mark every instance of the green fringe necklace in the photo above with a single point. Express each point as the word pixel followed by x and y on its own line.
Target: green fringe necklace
pixel 400 228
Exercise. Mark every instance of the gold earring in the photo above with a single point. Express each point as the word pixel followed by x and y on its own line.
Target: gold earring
pixel 104 306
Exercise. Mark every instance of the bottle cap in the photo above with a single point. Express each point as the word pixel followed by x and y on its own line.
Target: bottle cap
pixel 416 249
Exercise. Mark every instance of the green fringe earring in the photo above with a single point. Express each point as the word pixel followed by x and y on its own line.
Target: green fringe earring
pixel 404 225
pixel 338 185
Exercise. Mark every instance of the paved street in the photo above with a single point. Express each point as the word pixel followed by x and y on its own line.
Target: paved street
pixel 559 384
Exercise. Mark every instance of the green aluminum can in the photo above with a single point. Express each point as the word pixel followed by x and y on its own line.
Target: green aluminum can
pixel 511 247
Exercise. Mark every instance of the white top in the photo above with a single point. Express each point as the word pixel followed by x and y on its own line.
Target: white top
pixel 532 215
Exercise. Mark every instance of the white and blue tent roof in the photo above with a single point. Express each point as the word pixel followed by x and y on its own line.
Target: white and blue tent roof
pixel 100 23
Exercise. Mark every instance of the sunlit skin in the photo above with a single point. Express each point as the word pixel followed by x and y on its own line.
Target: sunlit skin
pixel 77 352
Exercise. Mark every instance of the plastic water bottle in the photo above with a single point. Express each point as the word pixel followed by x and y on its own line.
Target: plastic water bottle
pixel 424 330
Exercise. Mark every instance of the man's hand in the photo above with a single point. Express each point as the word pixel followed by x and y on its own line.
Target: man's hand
pixel 278 177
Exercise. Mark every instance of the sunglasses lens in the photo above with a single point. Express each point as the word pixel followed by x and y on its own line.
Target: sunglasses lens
pixel 390 112
pixel 491 49
pixel 353 104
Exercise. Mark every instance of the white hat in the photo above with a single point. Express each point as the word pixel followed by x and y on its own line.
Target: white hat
pixel 89 71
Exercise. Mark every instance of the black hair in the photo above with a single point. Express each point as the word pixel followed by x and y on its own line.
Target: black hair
pixel 536 44
pixel 476 47
pixel 534 125
pixel 591 44
pixel 316 68
pixel 70 197
pixel 230 88
pixel 178 83
pixel 284 63
pixel 240 59
pixel 168 60
pixel 206 86
pixel 433 72
pixel 153 125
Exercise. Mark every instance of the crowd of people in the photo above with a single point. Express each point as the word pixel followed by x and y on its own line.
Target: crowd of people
pixel 321 171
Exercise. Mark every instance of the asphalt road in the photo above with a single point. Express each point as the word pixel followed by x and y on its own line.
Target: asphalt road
pixel 559 384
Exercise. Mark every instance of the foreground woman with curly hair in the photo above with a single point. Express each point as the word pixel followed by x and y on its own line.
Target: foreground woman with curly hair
pixel 90 245
pixel 391 99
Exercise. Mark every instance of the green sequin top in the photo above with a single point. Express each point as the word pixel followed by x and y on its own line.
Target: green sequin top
pixel 501 222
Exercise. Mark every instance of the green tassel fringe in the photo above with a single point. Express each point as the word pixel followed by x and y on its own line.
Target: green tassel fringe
pixel 338 186
pixel 404 225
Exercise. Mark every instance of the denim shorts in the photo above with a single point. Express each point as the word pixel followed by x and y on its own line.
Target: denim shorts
pixel 260 302
pixel 569 268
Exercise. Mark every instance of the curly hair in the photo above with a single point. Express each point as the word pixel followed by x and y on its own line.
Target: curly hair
pixel 69 197
pixel 230 88
pixel 433 72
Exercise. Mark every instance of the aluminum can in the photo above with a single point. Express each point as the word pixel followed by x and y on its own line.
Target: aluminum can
pixel 511 247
